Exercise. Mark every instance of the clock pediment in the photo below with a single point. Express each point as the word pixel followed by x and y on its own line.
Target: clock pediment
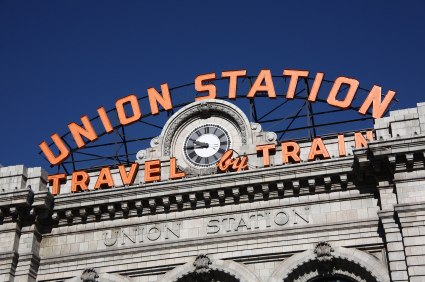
pixel 175 135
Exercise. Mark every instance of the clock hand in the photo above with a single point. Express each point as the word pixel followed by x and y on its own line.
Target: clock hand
pixel 200 143
pixel 202 146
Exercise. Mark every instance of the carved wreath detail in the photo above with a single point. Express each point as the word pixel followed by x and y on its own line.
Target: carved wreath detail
pixel 89 275
pixel 202 267
pixel 323 251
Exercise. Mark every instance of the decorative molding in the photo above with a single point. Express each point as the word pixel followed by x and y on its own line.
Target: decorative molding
pixel 256 127
pixel 141 155
pixel 351 263
pixel 202 267
pixel 97 210
pixel 323 252
pixel 124 206
pixel 89 275
pixel 166 201
pixel 179 199
pixel 69 214
pixel 83 212
pixel 207 196
pixel 203 108
pixel 271 137
pixel 154 142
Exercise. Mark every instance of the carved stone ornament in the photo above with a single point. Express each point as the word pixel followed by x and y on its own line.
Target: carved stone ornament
pixel 89 275
pixel 202 266
pixel 154 142
pixel 141 155
pixel 255 127
pixel 271 137
pixel 195 172
pixel 323 251
pixel 204 107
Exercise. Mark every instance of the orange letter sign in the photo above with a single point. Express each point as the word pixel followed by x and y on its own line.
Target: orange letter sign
pixel 202 88
pixel 259 87
pixel 374 100
pixel 237 164
pixel 294 74
pixel 173 170
pixel 290 149
pixel 63 150
pixel 360 140
pixel 343 104
pixel 152 171
pixel 105 177
pixel 164 100
pixel 318 149
pixel 341 145
pixel 266 152
pixel 233 81
pixel 137 114
pixel 79 179
pixel 316 87
pixel 105 120
pixel 128 179
pixel 77 131
pixel 56 182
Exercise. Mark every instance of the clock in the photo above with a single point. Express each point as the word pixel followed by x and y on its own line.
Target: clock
pixel 205 144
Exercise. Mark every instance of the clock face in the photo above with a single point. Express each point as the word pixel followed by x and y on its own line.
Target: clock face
pixel 205 144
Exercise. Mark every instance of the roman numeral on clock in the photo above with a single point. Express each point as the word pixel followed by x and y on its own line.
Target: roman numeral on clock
pixel 192 154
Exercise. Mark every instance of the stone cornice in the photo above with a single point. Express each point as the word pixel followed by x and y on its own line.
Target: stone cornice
pixel 411 207
pixel 282 173
pixel 92 218
pixel 389 149
pixel 21 197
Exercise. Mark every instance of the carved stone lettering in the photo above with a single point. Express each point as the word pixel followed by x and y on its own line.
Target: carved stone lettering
pixel 261 219
pixel 281 218
pixel 153 233
pixel 127 236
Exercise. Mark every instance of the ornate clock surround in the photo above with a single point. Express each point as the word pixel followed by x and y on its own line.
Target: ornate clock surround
pixel 203 108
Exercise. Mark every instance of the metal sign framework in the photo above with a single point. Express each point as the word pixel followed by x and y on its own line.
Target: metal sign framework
pixel 298 120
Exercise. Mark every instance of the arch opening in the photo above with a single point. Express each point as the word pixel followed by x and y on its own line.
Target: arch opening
pixel 214 275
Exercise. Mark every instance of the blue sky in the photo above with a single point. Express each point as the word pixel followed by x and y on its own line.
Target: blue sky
pixel 60 60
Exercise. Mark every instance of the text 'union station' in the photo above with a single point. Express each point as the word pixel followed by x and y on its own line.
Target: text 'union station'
pixel 219 193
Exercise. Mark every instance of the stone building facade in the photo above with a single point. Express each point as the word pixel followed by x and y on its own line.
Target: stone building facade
pixel 354 218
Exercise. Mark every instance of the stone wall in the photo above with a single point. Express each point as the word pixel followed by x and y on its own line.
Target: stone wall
pixel 360 216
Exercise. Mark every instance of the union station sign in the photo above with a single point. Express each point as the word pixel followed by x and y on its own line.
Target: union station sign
pixel 212 144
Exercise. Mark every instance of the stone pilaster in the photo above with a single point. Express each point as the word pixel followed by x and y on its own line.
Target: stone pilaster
pixel 412 218
pixel 29 260
pixel 395 246
pixel 9 238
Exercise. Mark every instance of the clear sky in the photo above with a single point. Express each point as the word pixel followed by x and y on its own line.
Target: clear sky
pixel 60 60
